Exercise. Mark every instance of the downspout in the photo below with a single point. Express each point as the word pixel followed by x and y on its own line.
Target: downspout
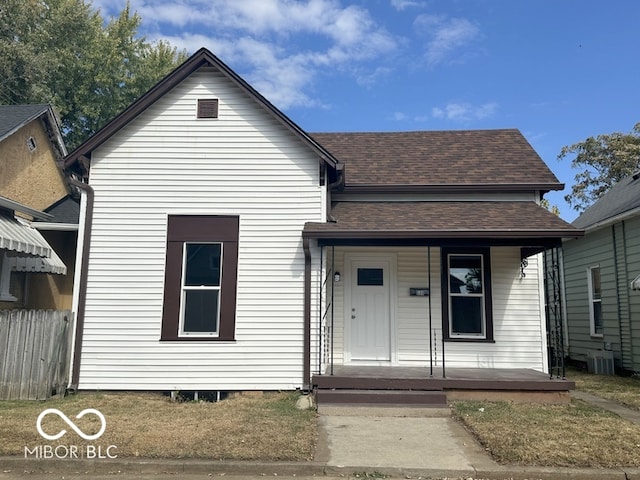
pixel 306 342
pixel 82 287
pixel 335 186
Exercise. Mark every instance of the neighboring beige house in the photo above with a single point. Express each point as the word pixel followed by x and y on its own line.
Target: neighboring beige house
pixel 34 186
pixel 31 148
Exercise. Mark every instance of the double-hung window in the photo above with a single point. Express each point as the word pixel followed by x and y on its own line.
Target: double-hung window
pixel 200 278
pixel 466 292
pixel 201 275
pixel 595 301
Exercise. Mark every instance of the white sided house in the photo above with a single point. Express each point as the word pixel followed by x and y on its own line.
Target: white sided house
pixel 226 249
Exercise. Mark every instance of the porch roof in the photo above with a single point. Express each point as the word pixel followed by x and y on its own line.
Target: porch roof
pixel 441 220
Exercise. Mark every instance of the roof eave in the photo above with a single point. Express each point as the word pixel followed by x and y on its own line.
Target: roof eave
pixel 200 58
pixel 611 220
pixel 453 188
pixel 11 205
pixel 26 121
pixel 457 234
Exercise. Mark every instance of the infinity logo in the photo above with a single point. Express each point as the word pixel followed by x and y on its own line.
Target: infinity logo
pixel 71 424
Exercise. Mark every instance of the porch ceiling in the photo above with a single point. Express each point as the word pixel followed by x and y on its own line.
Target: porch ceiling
pixel 442 220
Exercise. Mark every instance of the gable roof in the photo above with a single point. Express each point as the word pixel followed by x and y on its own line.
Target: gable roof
pixel 622 199
pixel 435 159
pixel 14 117
pixel 202 57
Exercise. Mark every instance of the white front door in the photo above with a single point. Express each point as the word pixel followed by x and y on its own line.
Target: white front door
pixel 369 314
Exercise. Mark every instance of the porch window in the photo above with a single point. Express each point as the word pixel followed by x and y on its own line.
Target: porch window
pixel 595 301
pixel 200 278
pixel 467 295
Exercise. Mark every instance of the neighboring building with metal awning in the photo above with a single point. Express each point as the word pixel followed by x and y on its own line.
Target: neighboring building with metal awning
pixel 41 238
pixel 22 247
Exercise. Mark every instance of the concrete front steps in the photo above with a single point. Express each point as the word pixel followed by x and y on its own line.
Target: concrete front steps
pixel 409 398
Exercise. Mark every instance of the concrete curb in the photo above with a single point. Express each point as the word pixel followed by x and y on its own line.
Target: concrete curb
pixel 299 469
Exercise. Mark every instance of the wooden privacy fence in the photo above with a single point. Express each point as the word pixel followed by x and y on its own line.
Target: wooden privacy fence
pixel 34 353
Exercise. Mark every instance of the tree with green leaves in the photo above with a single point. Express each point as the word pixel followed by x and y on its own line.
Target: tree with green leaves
pixel 63 52
pixel 552 208
pixel 604 160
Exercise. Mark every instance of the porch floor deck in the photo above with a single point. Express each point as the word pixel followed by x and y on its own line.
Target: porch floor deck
pixel 419 378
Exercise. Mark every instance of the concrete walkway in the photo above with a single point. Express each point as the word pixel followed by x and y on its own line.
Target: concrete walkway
pixel 410 440
pixel 428 443
pixel 621 410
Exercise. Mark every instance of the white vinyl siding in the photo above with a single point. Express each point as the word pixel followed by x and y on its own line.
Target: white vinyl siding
pixel 166 162
pixel 518 316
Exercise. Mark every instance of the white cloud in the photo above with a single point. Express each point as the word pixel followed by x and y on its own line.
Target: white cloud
pixel 403 4
pixel 404 117
pixel 268 41
pixel 464 112
pixel 446 36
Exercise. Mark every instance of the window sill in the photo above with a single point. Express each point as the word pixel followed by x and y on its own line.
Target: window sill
pixel 469 340
pixel 198 339
pixel 597 335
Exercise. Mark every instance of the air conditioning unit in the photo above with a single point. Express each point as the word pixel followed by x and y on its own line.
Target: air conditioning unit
pixel 600 362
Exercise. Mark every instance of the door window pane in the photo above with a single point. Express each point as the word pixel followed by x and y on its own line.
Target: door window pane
pixel 370 276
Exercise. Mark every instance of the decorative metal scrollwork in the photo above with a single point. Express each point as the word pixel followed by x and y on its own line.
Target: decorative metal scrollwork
pixel 524 263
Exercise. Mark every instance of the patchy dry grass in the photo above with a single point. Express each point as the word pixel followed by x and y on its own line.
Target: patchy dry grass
pixel 624 390
pixel 574 435
pixel 244 427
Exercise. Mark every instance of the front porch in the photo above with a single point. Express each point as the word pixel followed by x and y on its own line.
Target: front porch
pixel 419 386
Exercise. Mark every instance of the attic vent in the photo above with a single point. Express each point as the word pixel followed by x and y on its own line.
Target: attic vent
pixel 31 144
pixel 208 108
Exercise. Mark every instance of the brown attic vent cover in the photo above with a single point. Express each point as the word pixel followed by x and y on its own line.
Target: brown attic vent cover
pixel 208 108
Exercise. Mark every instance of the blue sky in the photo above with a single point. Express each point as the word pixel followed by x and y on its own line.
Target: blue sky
pixel 557 70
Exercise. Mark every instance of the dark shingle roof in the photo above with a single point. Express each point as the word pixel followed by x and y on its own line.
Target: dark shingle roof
pixel 623 197
pixel 66 210
pixel 441 219
pixel 457 157
pixel 14 116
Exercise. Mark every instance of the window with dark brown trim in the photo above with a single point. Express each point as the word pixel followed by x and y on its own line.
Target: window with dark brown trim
pixel 466 295
pixel 200 278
